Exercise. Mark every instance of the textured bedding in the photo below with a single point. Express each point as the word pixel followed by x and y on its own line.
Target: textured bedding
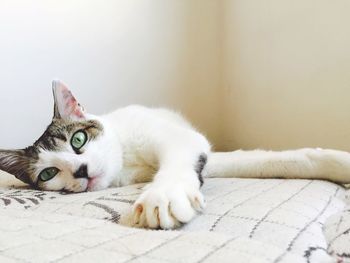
pixel 246 220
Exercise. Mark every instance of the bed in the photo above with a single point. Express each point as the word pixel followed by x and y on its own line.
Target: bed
pixel 246 220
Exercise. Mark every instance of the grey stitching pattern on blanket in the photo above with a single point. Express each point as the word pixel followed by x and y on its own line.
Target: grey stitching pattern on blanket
pixel 291 244
pixel 155 248
pixel 21 197
pixel 346 232
pixel 217 221
pixel 96 246
pixel 252 232
pixel 308 253
pixel 234 190
pixel 215 250
pixel 115 215
pixel 117 200
pixel 68 223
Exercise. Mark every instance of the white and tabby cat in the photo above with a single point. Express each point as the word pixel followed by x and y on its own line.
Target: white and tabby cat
pixel 83 152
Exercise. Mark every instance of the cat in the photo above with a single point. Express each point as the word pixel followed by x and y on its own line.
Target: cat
pixel 82 152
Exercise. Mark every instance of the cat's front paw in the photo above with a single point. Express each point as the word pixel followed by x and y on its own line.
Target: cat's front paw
pixel 167 207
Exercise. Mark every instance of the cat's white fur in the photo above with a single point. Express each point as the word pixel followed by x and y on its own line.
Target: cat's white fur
pixel 307 163
pixel 141 144
pixel 160 141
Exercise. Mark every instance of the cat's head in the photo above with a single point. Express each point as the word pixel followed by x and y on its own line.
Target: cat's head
pixel 77 152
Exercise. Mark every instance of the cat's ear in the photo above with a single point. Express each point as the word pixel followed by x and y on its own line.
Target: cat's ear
pixel 66 106
pixel 15 162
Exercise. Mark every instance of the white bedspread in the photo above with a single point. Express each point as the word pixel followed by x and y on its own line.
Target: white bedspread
pixel 246 220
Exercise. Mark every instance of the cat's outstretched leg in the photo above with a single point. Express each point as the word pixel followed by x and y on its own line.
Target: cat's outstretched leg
pixel 304 163
pixel 174 196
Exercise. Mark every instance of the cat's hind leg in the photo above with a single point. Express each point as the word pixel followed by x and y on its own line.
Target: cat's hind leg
pixel 307 163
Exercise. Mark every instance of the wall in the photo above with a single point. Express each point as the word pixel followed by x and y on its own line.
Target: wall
pixel 152 52
pixel 286 82
pixel 269 74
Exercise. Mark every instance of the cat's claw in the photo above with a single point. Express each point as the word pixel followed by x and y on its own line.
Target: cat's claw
pixel 167 207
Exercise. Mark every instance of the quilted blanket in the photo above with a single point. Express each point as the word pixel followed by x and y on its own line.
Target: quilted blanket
pixel 246 220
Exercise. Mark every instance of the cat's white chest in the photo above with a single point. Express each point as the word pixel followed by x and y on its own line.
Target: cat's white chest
pixel 139 162
pixel 141 132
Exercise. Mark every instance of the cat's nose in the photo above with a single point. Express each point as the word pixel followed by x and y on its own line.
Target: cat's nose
pixel 82 172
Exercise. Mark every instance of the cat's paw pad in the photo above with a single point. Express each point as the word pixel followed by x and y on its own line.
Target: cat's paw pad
pixel 167 207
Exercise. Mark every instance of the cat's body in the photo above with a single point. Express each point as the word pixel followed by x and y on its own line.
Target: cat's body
pixel 83 152
pixel 147 135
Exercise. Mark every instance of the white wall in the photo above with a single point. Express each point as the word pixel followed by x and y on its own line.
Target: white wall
pixel 111 53
pixel 286 81
pixel 270 74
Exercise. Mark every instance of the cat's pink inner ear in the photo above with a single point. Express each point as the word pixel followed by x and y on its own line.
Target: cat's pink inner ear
pixel 67 105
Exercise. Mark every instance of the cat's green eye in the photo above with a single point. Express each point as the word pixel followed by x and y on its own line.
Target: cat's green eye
pixel 78 140
pixel 48 173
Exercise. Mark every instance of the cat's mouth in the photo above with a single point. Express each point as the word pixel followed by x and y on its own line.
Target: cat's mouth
pixel 92 182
